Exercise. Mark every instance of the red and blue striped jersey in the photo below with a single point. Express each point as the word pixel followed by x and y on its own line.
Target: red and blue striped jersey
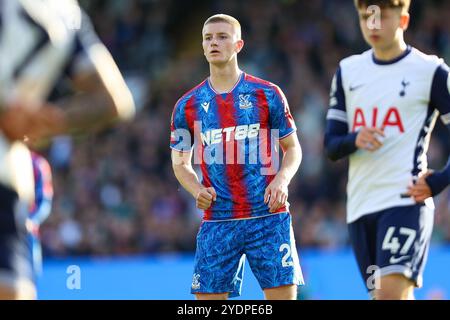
pixel 41 207
pixel 234 136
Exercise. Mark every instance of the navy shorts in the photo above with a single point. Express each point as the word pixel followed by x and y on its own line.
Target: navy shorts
pixel 392 241
pixel 15 249
pixel 267 242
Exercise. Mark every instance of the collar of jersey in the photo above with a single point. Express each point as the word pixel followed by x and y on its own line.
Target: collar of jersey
pixel 385 62
pixel 241 77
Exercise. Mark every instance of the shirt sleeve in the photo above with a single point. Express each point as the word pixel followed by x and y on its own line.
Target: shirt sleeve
pixel 440 93
pixel 180 135
pixel 280 115
pixel 338 142
pixel 440 100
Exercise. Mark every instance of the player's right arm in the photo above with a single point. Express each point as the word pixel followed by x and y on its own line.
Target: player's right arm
pixel 338 142
pixel 185 174
pixel 181 141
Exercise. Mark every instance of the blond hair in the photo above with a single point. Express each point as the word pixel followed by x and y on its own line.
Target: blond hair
pixel 227 19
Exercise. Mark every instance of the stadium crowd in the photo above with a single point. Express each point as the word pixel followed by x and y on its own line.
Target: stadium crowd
pixel 115 193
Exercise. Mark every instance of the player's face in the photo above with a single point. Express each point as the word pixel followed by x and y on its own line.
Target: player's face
pixel 220 43
pixel 381 31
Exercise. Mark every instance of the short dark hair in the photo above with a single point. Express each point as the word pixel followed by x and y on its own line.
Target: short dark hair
pixel 401 4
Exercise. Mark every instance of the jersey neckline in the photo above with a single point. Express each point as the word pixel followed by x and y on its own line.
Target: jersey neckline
pixel 239 80
pixel 397 59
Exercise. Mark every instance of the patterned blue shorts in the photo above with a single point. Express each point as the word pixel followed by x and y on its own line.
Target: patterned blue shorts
pixel 267 242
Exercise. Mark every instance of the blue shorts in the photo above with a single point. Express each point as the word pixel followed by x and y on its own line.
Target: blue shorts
pixel 267 242
pixel 393 241
pixel 15 250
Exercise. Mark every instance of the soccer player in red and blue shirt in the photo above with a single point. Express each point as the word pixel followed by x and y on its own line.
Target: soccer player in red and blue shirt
pixel 236 121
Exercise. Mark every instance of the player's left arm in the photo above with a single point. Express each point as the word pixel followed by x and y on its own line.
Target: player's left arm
pixel 432 182
pixel 276 193
pixel 281 119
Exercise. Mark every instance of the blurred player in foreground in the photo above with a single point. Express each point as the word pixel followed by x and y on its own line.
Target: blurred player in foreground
pixel 383 107
pixel 41 42
pixel 236 121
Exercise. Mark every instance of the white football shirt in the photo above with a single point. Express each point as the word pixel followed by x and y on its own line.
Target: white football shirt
pixel 403 97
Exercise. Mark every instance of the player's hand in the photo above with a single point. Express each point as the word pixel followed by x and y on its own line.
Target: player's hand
pixel 276 194
pixel 48 122
pixel 19 122
pixel 15 121
pixel 420 190
pixel 368 138
pixel 205 197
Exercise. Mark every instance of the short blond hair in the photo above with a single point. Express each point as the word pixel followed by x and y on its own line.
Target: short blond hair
pixel 227 19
